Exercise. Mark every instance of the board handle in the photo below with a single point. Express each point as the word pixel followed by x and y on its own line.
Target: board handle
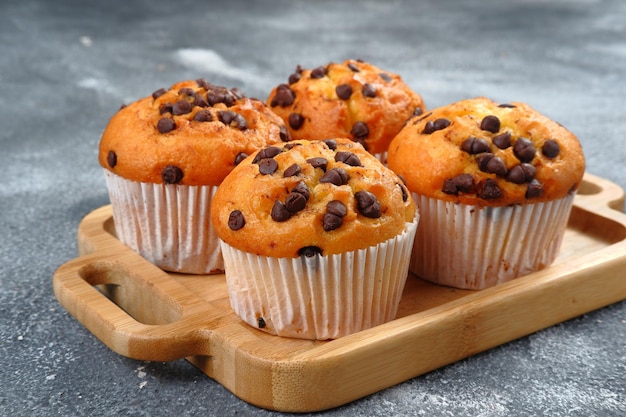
pixel 599 194
pixel 140 313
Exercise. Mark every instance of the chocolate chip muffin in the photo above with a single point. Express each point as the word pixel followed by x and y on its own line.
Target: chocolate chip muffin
pixel 354 99
pixel 316 238
pixel 494 184
pixel 164 156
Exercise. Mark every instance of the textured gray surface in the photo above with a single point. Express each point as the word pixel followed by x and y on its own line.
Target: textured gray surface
pixel 66 66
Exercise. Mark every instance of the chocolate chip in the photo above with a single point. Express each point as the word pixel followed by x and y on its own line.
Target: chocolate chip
pixel 158 93
pixel 309 251
pixel 261 323
pixel 267 166
pixel 240 157
pixel 294 78
pixel 229 100
pixel 237 94
pixel 210 87
pixel 441 123
pixel 550 148
pixel 171 174
pixel 534 190
pixel 292 171
pixel 348 158
pixel 200 101
pixel 318 72
pixel 216 94
pixel 214 97
pixel 269 152
pixel 202 83
pixel 490 124
pixel 488 162
pixel 507 106
pixel 236 220
pixel 181 107
pixel 488 189
pixel 418 111
pixel 217 89
pixel 226 116
pixel 284 96
pixel 165 125
pixel 519 174
pixel 367 204
pixel 344 91
pixel 291 145
pixel 294 202
pixel 474 146
pixel 331 222
pixel 112 159
pixel 239 122
pixel 279 212
pixel 385 77
pixel 463 183
pixel 301 188
pixel 405 194
pixel 296 121
pixel 496 166
pixel 337 208
pixel 524 150
pixel 360 130
pixel 165 108
pixel 186 91
pixel 438 124
pixel 203 116
pixel 336 176
pixel 353 67
pixel 284 134
pixel 369 90
pixel 331 143
pixel 318 162
pixel 232 119
pixel 503 140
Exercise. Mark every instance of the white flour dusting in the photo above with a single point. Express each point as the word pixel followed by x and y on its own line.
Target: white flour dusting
pixel 96 84
pixel 207 60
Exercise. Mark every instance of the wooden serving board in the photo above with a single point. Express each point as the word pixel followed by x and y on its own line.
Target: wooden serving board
pixel 142 312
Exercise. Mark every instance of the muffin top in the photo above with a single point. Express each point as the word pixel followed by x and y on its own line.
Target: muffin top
pixel 482 153
pixel 310 197
pixel 193 133
pixel 353 100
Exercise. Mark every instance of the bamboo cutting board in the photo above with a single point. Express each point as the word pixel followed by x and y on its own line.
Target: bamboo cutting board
pixel 142 312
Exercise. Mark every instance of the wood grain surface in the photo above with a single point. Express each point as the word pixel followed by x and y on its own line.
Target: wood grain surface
pixel 142 312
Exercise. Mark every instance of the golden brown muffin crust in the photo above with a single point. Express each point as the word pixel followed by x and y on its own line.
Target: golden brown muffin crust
pixel 478 152
pixel 193 133
pixel 310 196
pixel 353 99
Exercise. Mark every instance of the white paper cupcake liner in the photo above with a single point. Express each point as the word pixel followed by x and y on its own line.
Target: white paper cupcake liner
pixel 322 297
pixel 472 247
pixel 168 224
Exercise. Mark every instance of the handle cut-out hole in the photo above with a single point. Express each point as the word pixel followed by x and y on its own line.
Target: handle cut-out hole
pixel 136 297
pixel 588 188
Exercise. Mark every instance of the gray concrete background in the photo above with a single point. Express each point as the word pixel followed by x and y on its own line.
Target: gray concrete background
pixel 66 66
